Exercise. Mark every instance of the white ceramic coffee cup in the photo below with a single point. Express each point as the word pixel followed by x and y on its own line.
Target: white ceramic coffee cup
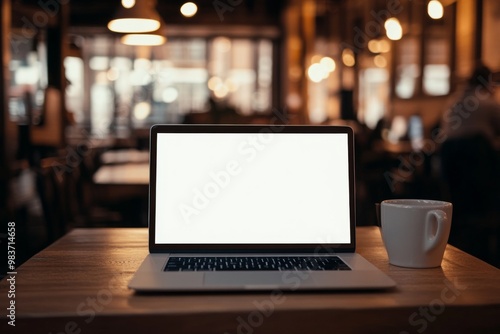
pixel 415 231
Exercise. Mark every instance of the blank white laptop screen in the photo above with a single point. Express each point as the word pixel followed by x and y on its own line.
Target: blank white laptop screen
pixel 255 188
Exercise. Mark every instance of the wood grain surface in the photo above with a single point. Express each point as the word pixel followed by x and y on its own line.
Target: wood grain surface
pixel 79 285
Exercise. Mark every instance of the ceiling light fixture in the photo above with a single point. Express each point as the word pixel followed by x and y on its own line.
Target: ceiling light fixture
pixel 393 29
pixel 153 38
pixel 140 18
pixel 435 9
pixel 128 3
pixel 143 39
pixel 189 9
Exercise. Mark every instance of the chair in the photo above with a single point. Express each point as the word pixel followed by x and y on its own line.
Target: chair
pixel 67 197
pixel 51 188
pixel 96 212
pixel 470 172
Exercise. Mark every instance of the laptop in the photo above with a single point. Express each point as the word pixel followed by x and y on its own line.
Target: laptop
pixel 253 207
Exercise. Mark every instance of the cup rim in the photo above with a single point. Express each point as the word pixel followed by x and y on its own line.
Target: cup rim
pixel 415 203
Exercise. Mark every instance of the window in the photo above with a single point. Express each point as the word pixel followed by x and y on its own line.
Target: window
pixel 28 75
pixel 408 68
pixel 135 87
pixel 436 80
pixel 374 95
pixel 74 90
pixel 419 63
pixel 424 58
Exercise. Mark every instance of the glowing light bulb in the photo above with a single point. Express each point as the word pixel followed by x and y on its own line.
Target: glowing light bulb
pixel 435 9
pixel 348 58
pixel 143 39
pixel 214 83
pixel 384 46
pixel 128 3
pixel 316 72
pixel 393 29
pixel 189 9
pixel 169 95
pixel 380 61
pixel 374 46
pixel 328 64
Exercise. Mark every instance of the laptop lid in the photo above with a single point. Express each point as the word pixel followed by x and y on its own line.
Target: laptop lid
pixel 251 188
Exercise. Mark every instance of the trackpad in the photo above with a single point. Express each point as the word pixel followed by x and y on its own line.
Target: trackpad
pixel 252 280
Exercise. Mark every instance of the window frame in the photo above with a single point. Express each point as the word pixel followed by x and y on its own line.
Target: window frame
pixel 448 23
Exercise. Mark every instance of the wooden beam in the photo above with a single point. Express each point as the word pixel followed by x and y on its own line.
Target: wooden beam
pixel 478 47
pixel 52 132
pixel 5 13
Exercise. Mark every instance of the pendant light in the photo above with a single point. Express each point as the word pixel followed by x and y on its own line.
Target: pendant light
pixel 435 9
pixel 139 17
pixel 153 38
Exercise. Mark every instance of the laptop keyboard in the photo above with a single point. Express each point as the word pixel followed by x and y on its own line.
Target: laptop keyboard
pixel 242 263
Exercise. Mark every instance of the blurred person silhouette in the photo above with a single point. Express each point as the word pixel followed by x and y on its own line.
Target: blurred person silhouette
pixel 470 164
pixel 475 112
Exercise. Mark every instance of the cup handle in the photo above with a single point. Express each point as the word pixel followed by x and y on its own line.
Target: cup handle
pixel 440 218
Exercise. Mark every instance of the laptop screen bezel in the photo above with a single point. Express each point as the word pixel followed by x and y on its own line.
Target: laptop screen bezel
pixel 249 248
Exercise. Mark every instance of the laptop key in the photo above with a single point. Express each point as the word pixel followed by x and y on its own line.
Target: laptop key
pixel 264 263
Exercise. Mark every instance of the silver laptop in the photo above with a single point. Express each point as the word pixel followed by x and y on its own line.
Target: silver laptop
pixel 253 208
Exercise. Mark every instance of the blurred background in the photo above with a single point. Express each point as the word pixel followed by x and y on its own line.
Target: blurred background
pixel 79 92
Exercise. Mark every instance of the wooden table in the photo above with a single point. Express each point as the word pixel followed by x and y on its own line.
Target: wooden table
pixel 79 285
pixel 124 156
pixel 122 181
pixel 123 174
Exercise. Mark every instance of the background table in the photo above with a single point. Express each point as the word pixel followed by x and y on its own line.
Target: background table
pixel 122 181
pixel 123 174
pixel 80 283
pixel 124 156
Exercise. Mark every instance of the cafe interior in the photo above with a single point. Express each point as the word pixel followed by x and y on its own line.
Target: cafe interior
pixel 81 88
